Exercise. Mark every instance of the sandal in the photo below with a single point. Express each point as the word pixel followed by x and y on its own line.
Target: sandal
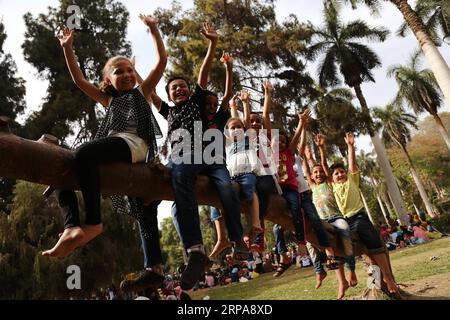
pixel 332 263
pixel 282 267
pixel 254 231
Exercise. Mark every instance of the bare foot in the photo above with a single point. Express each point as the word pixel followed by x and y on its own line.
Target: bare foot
pixel 353 281
pixel 392 286
pixel 91 231
pixel 342 288
pixel 219 247
pixel 319 278
pixel 69 240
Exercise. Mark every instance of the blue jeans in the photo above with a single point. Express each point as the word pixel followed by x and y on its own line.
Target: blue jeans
pixel 293 200
pixel 186 210
pixel 280 243
pixel 215 214
pixel 313 217
pixel 343 230
pixel 247 183
pixel 361 224
pixel 150 244
pixel 265 187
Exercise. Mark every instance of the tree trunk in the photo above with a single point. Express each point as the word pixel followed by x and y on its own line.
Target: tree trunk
pixel 417 210
pixel 423 194
pixel 442 130
pixel 384 164
pixel 389 204
pixel 54 166
pixel 380 202
pixel 383 209
pixel 437 63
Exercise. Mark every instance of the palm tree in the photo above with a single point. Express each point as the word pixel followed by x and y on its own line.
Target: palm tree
pixel 437 63
pixel 436 16
pixel 335 115
pixel 338 42
pixel 396 130
pixel 418 88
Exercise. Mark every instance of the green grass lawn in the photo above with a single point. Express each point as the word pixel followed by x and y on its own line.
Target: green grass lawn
pixel 411 266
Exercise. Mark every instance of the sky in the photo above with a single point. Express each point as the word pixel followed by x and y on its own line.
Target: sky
pixel 394 50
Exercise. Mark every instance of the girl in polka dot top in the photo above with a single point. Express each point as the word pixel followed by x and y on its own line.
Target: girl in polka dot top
pixel 127 134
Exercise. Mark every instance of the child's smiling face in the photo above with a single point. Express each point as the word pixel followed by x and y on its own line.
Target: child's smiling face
pixel 339 175
pixel 179 91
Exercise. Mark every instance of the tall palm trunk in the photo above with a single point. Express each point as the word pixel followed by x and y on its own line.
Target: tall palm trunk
pixel 423 194
pixel 437 63
pixel 384 164
pixel 380 202
pixel 416 209
pixel 442 130
pixel 366 206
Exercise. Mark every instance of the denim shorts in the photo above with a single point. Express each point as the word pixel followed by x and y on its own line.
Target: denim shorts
pixel 366 232
pixel 247 184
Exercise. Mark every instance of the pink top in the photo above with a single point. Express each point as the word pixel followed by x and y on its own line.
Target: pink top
pixel 286 173
pixel 419 233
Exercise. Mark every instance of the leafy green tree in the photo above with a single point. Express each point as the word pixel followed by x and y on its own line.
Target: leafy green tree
pixel 418 89
pixel 33 226
pixel 261 47
pixel 436 16
pixel 172 247
pixel 336 115
pixel 102 35
pixel 396 130
pixel 12 104
pixel 414 21
pixel 12 99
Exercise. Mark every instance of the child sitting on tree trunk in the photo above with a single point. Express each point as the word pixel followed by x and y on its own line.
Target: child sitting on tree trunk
pixel 347 194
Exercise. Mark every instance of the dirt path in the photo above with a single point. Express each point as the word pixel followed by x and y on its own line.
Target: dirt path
pixel 435 287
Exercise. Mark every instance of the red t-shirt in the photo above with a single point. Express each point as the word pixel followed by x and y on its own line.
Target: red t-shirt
pixel 286 173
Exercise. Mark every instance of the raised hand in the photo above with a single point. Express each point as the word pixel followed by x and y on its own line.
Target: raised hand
pixel 305 116
pixel 209 32
pixel 66 38
pixel 244 96
pixel 232 101
pixel 349 138
pixel 268 88
pixel 308 153
pixel 149 21
pixel 226 58
pixel 319 140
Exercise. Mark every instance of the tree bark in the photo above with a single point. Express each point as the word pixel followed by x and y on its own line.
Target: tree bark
pixel 46 163
pixel 366 206
pixel 380 202
pixel 437 63
pixel 384 164
pixel 423 194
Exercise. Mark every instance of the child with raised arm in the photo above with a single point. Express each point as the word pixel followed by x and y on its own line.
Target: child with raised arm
pixel 186 163
pixel 243 163
pixel 127 134
pixel 347 194
pixel 304 193
pixel 266 182
pixel 328 210
pixel 289 186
